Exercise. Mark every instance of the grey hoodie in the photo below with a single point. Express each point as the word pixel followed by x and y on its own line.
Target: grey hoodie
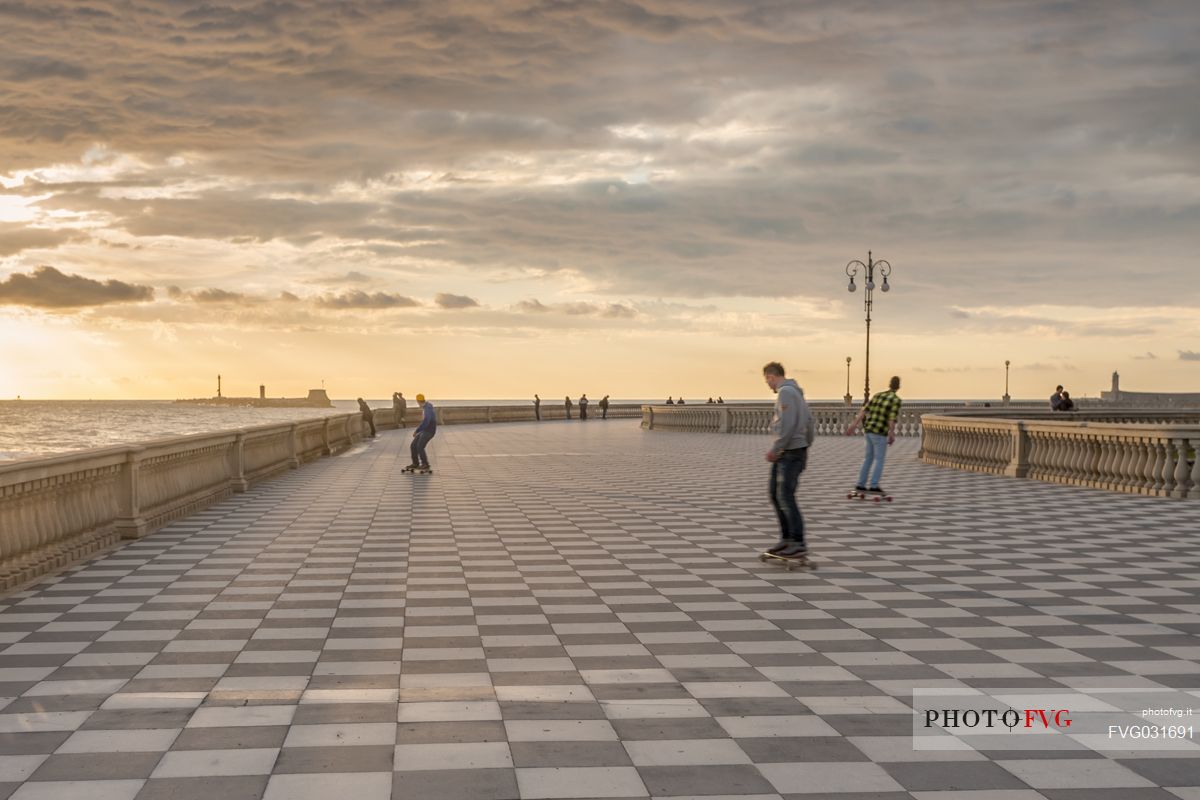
pixel 792 421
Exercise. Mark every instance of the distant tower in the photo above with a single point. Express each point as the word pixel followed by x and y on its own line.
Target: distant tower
pixel 218 386
pixel 1116 387
pixel 262 391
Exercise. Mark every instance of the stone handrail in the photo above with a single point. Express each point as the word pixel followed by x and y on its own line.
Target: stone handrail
pixel 829 419
pixel 1135 451
pixel 58 509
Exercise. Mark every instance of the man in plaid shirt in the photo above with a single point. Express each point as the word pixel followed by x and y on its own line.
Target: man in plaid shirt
pixel 878 419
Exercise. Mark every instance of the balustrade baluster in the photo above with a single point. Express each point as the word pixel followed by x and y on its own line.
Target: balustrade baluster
pixel 1133 466
pixel 1194 485
pixel 1145 461
pixel 1047 440
pixel 1092 463
pixel 1066 464
pixel 1154 466
pixel 1083 464
pixel 1107 453
pixel 1074 456
pixel 1166 478
pixel 1066 456
pixel 1116 467
pixel 1180 479
pixel 1039 467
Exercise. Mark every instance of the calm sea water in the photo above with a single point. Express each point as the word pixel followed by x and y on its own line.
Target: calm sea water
pixel 44 427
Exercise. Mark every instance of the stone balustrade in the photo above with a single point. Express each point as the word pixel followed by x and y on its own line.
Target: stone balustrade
pixel 1149 452
pixel 829 419
pixel 56 510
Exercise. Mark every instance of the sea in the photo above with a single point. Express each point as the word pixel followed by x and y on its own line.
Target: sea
pixel 49 427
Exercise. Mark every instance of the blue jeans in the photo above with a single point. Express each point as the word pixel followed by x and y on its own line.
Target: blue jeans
pixel 876 451
pixel 785 474
pixel 418 447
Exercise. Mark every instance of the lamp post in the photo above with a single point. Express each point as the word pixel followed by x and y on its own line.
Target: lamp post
pixel 868 269
pixel 848 398
pixel 1006 398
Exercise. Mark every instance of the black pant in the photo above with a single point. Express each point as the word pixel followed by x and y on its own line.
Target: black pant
pixel 418 448
pixel 371 422
pixel 583 412
pixel 785 474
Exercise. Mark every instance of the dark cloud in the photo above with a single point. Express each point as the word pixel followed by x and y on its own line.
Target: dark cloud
pixel 1147 356
pixel 212 296
pixel 532 306
pixel 364 300
pixel 47 287
pixel 578 309
pixel 1189 355
pixel 218 296
pixel 448 301
pixel 32 69
pixel 617 311
pixel 17 238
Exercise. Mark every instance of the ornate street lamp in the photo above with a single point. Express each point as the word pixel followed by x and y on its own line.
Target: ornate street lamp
pixel 868 269
pixel 848 398
pixel 1006 363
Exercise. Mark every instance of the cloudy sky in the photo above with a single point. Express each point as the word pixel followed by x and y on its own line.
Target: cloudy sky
pixel 639 198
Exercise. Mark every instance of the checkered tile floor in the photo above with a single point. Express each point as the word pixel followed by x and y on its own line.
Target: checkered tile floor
pixel 575 610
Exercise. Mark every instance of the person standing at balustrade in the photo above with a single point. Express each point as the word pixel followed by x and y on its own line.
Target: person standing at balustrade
pixel 567 405
pixel 368 415
pixel 878 419
pixel 400 405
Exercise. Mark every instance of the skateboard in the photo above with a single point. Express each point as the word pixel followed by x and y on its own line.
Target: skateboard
pixel 789 562
pixel 855 494
pixel 418 470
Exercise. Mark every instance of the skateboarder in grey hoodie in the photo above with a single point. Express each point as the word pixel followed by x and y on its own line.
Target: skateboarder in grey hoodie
pixel 795 429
